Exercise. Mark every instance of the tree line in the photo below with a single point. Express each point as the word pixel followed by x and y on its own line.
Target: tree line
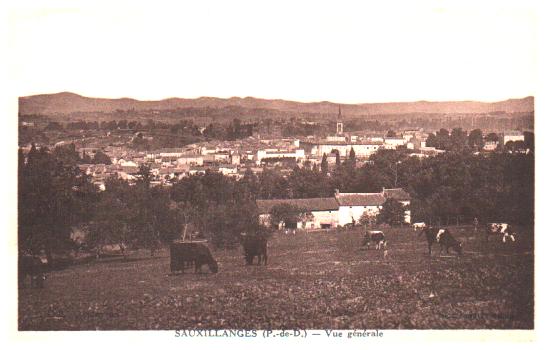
pixel 55 196
pixel 459 140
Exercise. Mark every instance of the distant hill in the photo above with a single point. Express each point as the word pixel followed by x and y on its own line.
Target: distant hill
pixel 66 103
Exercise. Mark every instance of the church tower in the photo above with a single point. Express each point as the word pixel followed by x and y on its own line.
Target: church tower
pixel 339 122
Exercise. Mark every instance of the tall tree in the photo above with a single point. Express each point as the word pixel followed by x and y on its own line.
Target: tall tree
pixel 352 156
pixel 392 213
pixel 324 165
pixel 443 139
pixel 458 139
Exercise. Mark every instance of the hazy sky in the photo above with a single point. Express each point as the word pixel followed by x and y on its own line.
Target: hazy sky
pixel 306 50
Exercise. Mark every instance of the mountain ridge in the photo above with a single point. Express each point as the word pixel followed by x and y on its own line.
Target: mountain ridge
pixel 69 102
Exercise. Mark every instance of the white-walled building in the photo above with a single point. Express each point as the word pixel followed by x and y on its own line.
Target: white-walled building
pixel 361 149
pixel 513 136
pixel 343 209
pixel 353 205
pixel 335 138
pixel 272 153
pixel 394 142
pixel 190 160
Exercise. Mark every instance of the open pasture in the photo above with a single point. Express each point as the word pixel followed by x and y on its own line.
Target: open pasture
pixel 321 280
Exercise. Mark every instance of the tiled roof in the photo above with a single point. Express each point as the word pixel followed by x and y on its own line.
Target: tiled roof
pixel 397 193
pixel 312 204
pixel 361 199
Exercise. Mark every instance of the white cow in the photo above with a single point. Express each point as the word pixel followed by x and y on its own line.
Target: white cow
pixel 503 229
pixel 419 225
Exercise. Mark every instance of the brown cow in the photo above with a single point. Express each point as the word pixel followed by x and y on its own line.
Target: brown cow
pixel 254 245
pixel 443 237
pixel 183 254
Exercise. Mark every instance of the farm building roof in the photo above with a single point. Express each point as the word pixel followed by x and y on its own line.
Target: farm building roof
pixel 397 193
pixel 361 199
pixel 265 206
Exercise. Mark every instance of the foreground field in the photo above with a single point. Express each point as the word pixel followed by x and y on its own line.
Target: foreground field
pixel 313 281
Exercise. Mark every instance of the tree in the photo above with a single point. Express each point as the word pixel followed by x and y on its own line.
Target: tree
pixel 458 139
pixel 337 158
pixel 529 140
pixel 324 165
pixel 102 158
pixel 225 222
pixel 144 174
pixel 392 213
pixel 431 141
pixel 443 139
pixel 288 214
pixel 85 159
pixel 52 197
pixel 367 219
pixel 475 139
pixel 66 154
pixel 492 137
pixel 352 156
pixel 391 133
pixel 109 225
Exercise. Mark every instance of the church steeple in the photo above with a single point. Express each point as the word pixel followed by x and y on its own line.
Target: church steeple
pixel 339 122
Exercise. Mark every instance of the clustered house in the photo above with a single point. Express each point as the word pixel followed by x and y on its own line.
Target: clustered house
pixel 341 210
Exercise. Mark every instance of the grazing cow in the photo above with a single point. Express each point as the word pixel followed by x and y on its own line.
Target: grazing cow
pixel 419 225
pixel 503 229
pixel 444 238
pixel 376 237
pixel 34 267
pixel 254 246
pixel 183 254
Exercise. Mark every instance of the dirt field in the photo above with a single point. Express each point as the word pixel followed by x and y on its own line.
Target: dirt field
pixel 314 281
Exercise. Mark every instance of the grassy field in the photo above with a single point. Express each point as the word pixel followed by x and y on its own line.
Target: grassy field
pixel 314 281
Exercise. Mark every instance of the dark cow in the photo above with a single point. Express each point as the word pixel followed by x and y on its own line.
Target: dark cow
pixel 444 238
pixel 254 246
pixel 35 268
pixel 503 229
pixel 376 237
pixel 183 254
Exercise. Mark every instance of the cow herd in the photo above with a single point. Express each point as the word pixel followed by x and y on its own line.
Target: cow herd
pixel 187 254
pixel 442 236
pixel 184 255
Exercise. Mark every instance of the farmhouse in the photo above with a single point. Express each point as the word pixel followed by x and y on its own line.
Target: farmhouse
pixel 340 210
pixel 353 205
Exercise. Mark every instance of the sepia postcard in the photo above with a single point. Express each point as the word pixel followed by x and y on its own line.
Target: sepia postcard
pixel 268 173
